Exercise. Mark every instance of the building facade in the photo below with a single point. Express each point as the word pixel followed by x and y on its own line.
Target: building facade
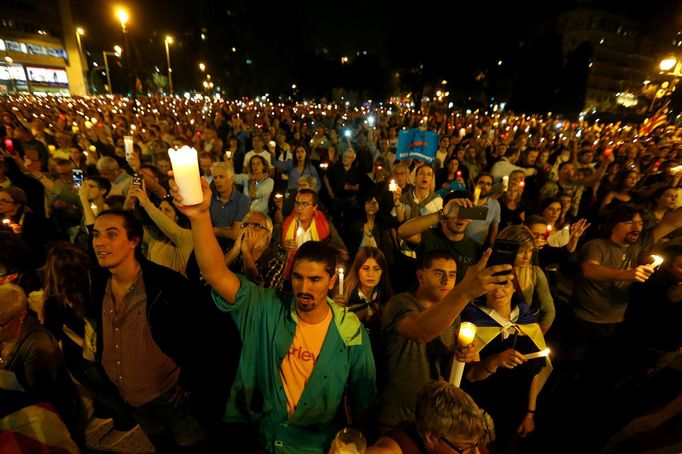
pixel 39 49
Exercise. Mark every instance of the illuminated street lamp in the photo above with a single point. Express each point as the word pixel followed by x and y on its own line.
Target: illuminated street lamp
pixel 202 67
pixel 84 59
pixel 122 15
pixel 667 63
pixel 117 53
pixel 168 41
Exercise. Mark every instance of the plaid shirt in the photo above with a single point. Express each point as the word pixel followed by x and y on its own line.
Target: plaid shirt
pixel 130 357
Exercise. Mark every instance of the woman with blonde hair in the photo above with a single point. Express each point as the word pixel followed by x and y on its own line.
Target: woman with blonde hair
pixel 530 282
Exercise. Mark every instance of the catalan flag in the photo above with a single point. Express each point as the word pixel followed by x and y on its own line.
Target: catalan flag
pixel 658 119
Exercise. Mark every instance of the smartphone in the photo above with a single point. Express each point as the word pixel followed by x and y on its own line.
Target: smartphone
pixel 504 253
pixel 475 213
pixel 137 180
pixel 77 175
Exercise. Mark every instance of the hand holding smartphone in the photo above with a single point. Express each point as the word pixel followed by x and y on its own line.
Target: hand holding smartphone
pixel 77 176
pixel 504 253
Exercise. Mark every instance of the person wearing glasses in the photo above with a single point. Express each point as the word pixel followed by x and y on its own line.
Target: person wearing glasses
pixel 21 220
pixel 447 420
pixel 307 223
pixel 486 229
pixel 254 255
pixel 609 267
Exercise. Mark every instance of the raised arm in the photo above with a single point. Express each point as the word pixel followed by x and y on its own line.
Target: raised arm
pixel 206 248
pixel 411 230
pixel 429 324
pixel 671 222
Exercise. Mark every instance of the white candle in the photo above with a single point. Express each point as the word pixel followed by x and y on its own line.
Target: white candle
pixel 505 183
pixel 477 194
pixel 548 232
pixel 186 173
pixel 462 132
pixel 540 354
pixel 93 207
pixel 340 271
pixel 657 261
pixel 228 155
pixel 467 332
pixel 392 186
pixel 279 196
pixel 6 221
pixel 128 144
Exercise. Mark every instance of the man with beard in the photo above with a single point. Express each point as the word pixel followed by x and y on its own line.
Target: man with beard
pixel 303 357
pixel 609 267
pixel 479 231
pixel 447 236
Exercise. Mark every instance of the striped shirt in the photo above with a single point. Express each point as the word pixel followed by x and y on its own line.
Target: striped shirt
pixel 130 357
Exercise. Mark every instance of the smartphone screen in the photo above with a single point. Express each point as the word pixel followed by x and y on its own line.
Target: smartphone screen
pixel 77 175
pixel 137 180
pixel 476 213
pixel 504 253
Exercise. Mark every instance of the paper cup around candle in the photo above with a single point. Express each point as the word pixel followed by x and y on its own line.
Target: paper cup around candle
pixel 392 186
pixel 540 354
pixel 128 144
pixel 186 173
pixel 467 333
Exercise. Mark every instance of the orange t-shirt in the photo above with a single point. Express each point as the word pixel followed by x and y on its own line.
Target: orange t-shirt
pixel 297 365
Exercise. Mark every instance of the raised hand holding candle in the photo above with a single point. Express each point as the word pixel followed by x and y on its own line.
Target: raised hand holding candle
pixel 340 272
pixel 505 183
pixel 540 354
pixel 128 145
pixel 477 194
pixel 186 173
pixel 657 261
pixel 467 332
pixel 392 186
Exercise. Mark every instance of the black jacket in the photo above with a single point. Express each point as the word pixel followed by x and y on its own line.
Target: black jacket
pixel 176 315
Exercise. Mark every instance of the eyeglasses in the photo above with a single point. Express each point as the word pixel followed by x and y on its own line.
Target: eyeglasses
pixel 255 225
pixel 302 204
pixel 4 326
pixel 7 202
pixel 470 449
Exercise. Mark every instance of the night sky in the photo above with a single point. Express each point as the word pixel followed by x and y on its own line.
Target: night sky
pixel 290 42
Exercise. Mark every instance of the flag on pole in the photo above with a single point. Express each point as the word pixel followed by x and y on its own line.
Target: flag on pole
pixel 417 144
pixel 658 119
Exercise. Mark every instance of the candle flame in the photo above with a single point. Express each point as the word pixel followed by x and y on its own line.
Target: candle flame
pixel 657 261
pixel 467 333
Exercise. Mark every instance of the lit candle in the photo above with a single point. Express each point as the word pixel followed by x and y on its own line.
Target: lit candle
pixel 6 222
pixel 459 174
pixel 467 332
pixel 279 196
pixel 392 186
pixel 477 194
pixel 522 184
pixel 548 232
pixel 93 207
pixel 340 271
pixel 128 144
pixel 540 354
pixel 657 261
pixel 228 155
pixel 462 132
pixel 186 173
pixel 505 183
pixel 324 165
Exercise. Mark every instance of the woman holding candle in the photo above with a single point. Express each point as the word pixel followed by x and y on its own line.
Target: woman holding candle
pixel 23 222
pixel 372 228
pixel 300 166
pixel 257 184
pixel 504 382
pixel 557 234
pixel 449 177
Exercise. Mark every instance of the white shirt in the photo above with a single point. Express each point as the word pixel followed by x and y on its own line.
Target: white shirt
pixel 504 167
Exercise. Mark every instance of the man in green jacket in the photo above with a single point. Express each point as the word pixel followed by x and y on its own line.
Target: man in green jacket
pixel 301 354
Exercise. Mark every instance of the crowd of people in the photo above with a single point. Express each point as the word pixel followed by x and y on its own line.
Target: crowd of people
pixel 323 280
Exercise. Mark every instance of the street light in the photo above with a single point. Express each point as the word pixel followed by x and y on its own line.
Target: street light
pixel 202 67
pixel 84 59
pixel 105 53
pixel 123 17
pixel 667 63
pixel 168 41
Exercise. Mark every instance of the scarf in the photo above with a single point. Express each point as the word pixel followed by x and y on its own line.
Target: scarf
pixel 319 230
pixel 415 208
pixel 490 324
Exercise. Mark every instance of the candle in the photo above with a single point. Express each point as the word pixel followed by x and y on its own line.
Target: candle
pixel 459 174
pixel 278 196
pixel 477 194
pixel 657 261
pixel 323 165
pixel 505 183
pixel 548 232
pixel 6 222
pixel 393 186
pixel 128 144
pixel 607 152
pixel 462 132
pixel 467 332
pixel 93 207
pixel 522 185
pixel 228 155
pixel 340 271
pixel 186 173
pixel 540 354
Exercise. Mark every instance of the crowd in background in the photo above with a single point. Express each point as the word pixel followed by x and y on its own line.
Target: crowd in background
pixel 181 319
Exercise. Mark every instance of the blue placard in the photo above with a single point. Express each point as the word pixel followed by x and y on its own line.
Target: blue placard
pixel 417 144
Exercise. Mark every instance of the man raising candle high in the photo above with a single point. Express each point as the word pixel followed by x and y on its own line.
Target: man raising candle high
pixel 301 354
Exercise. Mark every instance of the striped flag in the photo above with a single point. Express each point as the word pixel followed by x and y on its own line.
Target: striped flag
pixel 658 119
